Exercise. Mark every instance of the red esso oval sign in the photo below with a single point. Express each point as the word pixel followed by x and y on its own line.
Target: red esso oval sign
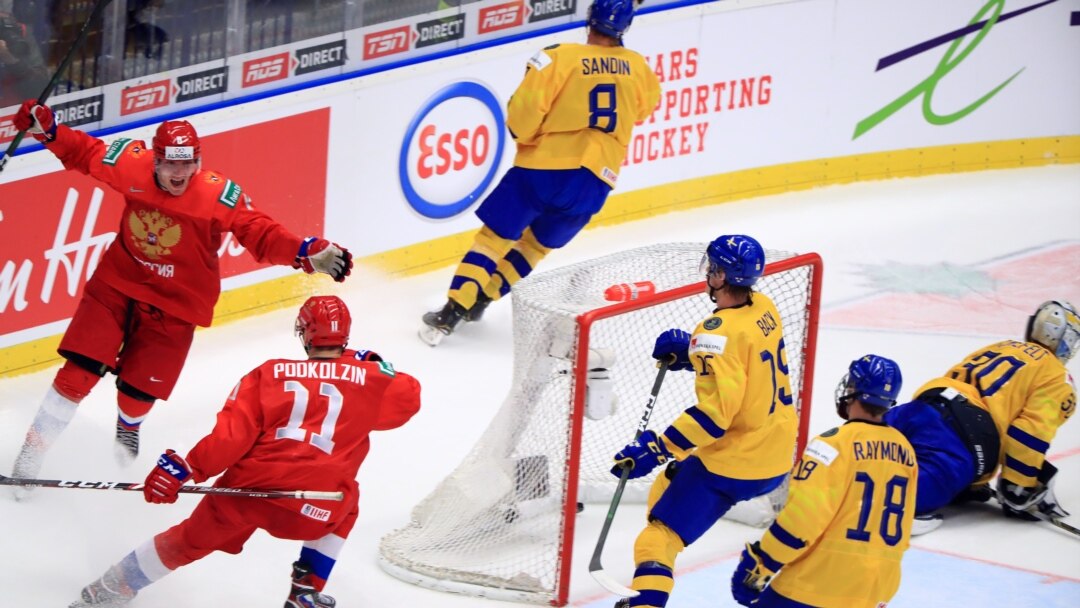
pixel 452 150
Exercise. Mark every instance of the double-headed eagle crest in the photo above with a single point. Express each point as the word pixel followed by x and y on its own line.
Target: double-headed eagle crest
pixel 153 233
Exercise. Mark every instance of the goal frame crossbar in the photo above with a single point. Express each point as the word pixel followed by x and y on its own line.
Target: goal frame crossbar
pixel 585 322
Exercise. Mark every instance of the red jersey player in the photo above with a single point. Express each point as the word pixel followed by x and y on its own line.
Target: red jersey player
pixel 158 279
pixel 287 424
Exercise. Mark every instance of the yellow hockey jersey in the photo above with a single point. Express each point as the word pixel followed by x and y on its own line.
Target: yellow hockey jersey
pixel 577 106
pixel 847 520
pixel 1029 394
pixel 744 424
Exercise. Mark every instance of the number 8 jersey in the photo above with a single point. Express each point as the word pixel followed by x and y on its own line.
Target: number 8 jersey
pixel 847 520
pixel 304 425
pixel 577 105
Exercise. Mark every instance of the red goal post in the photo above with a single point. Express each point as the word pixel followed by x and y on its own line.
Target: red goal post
pixel 501 524
pixel 581 368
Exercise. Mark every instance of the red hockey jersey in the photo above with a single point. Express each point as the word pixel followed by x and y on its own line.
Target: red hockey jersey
pixel 304 425
pixel 165 253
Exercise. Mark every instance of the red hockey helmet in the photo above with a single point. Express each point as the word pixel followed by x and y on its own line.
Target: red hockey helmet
pixel 324 321
pixel 176 140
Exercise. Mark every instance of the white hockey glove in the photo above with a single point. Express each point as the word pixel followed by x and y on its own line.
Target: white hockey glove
pixel 320 255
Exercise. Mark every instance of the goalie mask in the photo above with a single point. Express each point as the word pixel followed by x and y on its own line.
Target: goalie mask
pixel 177 155
pixel 872 380
pixel 324 321
pixel 1055 325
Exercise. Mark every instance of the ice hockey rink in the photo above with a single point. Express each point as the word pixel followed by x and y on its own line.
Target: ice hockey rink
pixel 923 270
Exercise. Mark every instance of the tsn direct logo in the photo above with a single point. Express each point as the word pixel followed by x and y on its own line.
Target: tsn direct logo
pixel 388 42
pixel 501 16
pixel 145 97
pixel 451 150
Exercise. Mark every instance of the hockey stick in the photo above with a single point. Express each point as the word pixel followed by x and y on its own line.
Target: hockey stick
pixel 99 7
pixel 1043 516
pixel 138 487
pixel 596 569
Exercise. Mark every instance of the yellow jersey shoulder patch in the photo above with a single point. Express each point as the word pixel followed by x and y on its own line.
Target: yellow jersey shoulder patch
pixel 821 451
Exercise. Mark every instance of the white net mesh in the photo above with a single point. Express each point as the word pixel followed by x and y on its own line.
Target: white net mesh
pixel 495 526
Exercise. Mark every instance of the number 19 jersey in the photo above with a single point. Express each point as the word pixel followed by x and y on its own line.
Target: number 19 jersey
pixel 577 105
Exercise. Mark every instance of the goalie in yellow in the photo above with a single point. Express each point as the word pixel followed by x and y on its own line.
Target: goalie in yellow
pixel 839 539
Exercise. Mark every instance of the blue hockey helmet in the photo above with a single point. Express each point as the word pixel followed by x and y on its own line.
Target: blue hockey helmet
pixel 610 17
pixel 740 257
pixel 871 379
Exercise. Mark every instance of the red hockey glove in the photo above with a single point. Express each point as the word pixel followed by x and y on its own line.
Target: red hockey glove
pixel 320 255
pixel 37 120
pixel 164 481
pixel 368 355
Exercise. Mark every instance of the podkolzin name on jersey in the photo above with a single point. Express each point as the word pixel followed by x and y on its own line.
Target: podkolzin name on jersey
pixel 324 370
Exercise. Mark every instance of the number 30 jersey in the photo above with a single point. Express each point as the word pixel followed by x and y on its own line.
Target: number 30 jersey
pixel 304 425
pixel 1029 394
pixel 847 520
pixel 577 105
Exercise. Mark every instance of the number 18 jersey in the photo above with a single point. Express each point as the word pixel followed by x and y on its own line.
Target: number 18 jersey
pixel 847 520
pixel 577 105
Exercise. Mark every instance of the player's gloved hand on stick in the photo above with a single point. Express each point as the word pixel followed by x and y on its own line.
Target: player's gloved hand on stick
pixel 164 481
pixel 368 355
pixel 1021 503
pixel 37 120
pixel 320 255
pixel 673 346
pixel 751 575
pixel 641 456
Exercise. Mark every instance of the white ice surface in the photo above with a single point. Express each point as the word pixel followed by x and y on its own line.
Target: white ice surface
pixel 62 539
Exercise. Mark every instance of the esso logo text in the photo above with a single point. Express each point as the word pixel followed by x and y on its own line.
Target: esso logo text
pixel 451 150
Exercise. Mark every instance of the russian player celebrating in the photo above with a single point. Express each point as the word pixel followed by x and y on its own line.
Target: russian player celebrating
pixel 158 279
pixel 287 424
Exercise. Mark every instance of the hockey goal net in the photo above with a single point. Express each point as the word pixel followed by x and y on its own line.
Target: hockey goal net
pixel 501 525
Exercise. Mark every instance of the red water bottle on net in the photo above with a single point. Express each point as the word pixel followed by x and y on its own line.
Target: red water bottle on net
pixel 629 291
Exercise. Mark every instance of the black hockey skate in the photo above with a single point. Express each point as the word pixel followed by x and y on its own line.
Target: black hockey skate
pixel 439 324
pixel 476 313
pixel 623 603
pixel 127 443
pixel 303 593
